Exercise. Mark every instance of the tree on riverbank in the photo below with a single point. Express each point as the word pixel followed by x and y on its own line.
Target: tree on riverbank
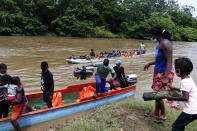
pixel 96 18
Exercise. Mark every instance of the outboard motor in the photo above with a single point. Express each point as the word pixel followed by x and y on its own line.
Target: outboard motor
pixel 131 79
pixel 83 72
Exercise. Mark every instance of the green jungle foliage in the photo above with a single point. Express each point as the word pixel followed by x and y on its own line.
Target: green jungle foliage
pixel 97 18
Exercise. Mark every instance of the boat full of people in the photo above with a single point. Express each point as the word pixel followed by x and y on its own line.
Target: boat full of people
pixel 102 55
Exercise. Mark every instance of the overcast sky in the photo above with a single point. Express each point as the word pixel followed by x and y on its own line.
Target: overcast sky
pixel 189 2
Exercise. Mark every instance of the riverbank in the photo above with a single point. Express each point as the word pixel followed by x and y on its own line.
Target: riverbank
pixel 124 115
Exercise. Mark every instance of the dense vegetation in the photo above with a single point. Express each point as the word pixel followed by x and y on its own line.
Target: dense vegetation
pixel 96 18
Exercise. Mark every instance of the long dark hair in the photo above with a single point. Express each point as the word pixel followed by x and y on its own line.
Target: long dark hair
pixel 160 31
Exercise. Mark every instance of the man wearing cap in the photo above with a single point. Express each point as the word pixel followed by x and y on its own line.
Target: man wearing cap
pixel 120 73
pixel 47 84
pixel 103 70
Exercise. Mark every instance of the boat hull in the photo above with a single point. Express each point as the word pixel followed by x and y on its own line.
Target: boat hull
pixel 83 61
pixel 44 115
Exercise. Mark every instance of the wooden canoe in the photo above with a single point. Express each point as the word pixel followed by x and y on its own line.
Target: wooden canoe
pixel 43 115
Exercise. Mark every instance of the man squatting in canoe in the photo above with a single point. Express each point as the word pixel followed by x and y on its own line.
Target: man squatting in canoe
pixel 47 84
pixel 120 74
pixel 103 69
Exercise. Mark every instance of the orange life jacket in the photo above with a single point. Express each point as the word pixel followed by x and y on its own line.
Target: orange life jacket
pixel 87 92
pixel 57 99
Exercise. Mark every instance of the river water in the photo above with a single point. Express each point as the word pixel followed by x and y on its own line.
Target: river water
pixel 23 56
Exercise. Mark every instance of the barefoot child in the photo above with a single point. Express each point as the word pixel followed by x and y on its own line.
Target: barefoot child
pixel 188 89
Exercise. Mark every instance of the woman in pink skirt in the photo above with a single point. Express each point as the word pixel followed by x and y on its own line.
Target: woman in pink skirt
pixel 163 73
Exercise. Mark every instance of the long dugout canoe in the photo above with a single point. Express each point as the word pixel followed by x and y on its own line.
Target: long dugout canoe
pixel 43 115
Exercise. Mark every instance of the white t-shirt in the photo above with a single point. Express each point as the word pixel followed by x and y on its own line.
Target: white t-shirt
pixel 190 106
pixel 12 90
pixel 142 47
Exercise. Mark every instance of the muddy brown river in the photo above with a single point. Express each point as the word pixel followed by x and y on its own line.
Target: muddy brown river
pixel 23 56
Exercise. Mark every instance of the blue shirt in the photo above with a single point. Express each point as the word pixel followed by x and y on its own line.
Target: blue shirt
pixel 160 60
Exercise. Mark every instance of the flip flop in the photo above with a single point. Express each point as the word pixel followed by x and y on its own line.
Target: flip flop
pixel 149 114
pixel 158 120
pixel 163 118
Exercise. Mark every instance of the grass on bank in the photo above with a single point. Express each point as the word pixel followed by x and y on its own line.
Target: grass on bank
pixel 124 115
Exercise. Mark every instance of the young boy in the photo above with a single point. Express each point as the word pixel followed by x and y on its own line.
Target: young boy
pixel 183 67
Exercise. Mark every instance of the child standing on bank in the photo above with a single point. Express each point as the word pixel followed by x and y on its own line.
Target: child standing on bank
pixel 188 89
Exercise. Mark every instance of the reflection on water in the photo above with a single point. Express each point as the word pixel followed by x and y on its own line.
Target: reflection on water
pixel 23 56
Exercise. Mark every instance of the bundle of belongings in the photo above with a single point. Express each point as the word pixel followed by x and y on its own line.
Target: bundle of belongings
pixel 83 72
pixel 114 84
pixel 158 95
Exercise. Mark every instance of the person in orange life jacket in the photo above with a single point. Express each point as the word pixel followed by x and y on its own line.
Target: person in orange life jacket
pixel 19 103
pixel 163 73
pixel 120 73
pixel 4 107
pixel 47 84
pixel 103 69
pixel 188 89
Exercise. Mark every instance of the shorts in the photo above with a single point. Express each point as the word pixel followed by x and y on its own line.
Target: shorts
pixel 18 110
pixel 157 81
